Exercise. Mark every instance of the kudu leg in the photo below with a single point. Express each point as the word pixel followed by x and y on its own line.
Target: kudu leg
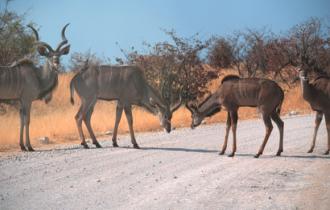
pixel 79 119
pixel 280 124
pixel 228 125
pixel 129 117
pixel 318 119
pixel 89 127
pixel 21 141
pixel 327 121
pixel 269 128
pixel 27 125
pixel 119 112
pixel 234 119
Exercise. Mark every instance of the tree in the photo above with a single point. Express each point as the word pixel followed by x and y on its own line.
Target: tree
pixel 260 53
pixel 220 53
pixel 78 60
pixel 310 45
pixel 15 40
pixel 248 52
pixel 175 68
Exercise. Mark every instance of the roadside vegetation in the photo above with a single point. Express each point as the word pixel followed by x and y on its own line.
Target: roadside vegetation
pixel 179 68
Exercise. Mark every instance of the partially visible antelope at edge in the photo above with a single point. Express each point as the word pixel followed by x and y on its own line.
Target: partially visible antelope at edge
pixel 235 92
pixel 23 81
pixel 317 94
pixel 126 85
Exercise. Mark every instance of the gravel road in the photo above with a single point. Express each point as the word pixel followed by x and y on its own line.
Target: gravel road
pixel 180 170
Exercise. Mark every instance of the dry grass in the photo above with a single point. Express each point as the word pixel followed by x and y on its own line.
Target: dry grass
pixel 56 119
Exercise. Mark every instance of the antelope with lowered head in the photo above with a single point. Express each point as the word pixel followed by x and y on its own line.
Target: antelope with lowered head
pixel 23 81
pixel 126 85
pixel 317 94
pixel 235 92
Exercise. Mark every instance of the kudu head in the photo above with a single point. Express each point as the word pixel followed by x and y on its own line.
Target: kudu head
pixel 301 73
pixel 305 66
pixel 196 116
pixel 52 56
pixel 165 112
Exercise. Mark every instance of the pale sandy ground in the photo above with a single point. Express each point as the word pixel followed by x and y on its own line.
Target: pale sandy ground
pixel 181 170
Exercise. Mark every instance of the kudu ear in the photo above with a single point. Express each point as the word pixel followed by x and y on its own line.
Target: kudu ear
pixel 65 50
pixel 187 106
pixel 154 103
pixel 43 51
pixel 48 97
pixel 191 107
pixel 297 69
pixel 294 80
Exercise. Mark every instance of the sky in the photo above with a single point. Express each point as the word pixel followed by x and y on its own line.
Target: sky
pixel 97 25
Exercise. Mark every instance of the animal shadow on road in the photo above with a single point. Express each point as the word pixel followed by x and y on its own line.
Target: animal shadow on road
pixel 307 156
pixel 286 156
pixel 197 150
pixel 70 148
pixel 178 149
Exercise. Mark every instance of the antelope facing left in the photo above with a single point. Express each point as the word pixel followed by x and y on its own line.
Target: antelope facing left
pixel 25 82
pixel 235 92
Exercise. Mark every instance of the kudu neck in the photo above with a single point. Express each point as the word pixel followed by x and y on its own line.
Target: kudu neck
pixel 209 106
pixel 305 87
pixel 48 77
pixel 152 93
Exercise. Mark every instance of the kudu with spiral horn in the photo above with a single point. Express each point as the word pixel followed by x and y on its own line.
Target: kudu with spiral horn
pixel 25 82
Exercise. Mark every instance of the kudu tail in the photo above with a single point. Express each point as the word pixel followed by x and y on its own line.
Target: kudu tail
pixel 71 92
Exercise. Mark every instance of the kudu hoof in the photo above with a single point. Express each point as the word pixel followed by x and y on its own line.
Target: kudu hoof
pixel 326 152
pixel 85 145
pixel 231 155
pixel 23 149
pixel 221 153
pixel 97 145
pixel 278 153
pixel 257 155
pixel 30 149
pixel 136 146
pixel 115 144
pixel 310 151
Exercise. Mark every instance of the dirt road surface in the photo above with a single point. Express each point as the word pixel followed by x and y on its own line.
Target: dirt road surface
pixel 181 170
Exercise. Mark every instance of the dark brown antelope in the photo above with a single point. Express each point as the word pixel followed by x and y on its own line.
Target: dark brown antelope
pixel 235 92
pixel 25 82
pixel 125 84
pixel 317 94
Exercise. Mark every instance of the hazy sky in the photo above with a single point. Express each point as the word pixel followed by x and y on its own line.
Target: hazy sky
pixel 98 24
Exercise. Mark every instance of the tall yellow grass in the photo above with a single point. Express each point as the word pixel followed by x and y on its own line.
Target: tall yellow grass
pixel 56 119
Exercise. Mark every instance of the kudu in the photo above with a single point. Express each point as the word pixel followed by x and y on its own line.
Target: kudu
pixel 23 81
pixel 235 92
pixel 126 85
pixel 317 94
